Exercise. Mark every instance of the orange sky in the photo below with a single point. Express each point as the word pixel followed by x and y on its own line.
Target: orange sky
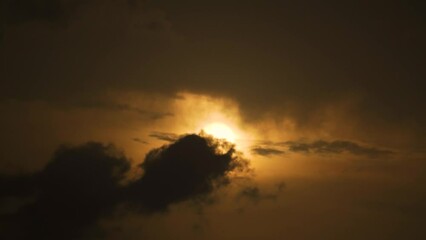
pixel 325 100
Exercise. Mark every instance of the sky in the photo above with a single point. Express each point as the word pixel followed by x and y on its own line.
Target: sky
pixel 161 119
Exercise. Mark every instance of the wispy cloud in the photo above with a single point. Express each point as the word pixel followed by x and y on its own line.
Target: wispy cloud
pixel 319 147
pixel 164 136
pixel 140 140
pixel 266 151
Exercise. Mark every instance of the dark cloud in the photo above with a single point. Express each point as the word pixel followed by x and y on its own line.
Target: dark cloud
pixel 319 147
pixel 82 184
pixel 19 186
pixel 266 151
pixel 105 42
pixel 52 11
pixel 76 188
pixel 168 137
pixel 190 167
pixel 295 59
pixel 156 115
pixel 140 140
pixel 337 146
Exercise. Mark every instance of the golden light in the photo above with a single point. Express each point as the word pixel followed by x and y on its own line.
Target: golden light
pixel 221 131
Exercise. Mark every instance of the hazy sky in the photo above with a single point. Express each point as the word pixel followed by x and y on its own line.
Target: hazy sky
pixel 110 110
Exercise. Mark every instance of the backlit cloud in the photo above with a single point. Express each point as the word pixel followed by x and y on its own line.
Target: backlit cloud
pixel 82 184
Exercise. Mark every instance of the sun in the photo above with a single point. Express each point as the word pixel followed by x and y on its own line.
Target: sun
pixel 220 130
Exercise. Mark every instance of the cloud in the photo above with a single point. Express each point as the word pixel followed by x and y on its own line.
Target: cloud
pixel 255 194
pixel 117 46
pixel 51 11
pixel 77 187
pixel 337 147
pixel 106 46
pixel 18 186
pixel 139 140
pixel 83 184
pixel 191 167
pixel 265 151
pixel 168 137
pixel 319 147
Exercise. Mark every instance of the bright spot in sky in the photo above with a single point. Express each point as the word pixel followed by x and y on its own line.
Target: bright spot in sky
pixel 220 130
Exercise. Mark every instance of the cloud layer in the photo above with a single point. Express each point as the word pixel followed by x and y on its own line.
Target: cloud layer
pixel 292 61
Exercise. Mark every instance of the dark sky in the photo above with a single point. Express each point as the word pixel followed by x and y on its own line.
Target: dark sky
pixel 326 98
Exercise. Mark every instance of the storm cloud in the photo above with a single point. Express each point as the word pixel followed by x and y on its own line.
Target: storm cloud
pixel 82 184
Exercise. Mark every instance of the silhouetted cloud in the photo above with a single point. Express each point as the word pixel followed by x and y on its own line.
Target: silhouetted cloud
pixel 168 137
pixel 319 146
pixel 266 151
pixel 76 188
pixel 337 146
pixel 18 186
pixel 82 184
pixel 140 140
pixel 191 167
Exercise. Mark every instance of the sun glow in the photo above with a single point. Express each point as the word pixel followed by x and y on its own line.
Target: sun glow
pixel 220 130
